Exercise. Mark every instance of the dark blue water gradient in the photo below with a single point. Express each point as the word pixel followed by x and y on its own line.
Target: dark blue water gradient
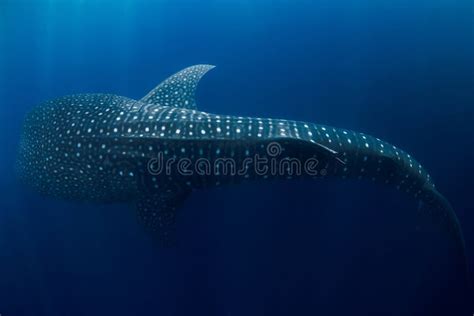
pixel 403 71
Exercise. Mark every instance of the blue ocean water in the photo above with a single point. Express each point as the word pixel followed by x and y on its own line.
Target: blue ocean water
pixel 402 71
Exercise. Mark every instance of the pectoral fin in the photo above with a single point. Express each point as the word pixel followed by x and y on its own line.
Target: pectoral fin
pixel 157 213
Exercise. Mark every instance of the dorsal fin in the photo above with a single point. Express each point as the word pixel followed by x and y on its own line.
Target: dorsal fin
pixel 179 89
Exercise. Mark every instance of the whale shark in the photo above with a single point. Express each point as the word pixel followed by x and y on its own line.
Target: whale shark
pixel 153 152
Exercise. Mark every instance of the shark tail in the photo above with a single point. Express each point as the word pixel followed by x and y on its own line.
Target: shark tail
pixel 440 210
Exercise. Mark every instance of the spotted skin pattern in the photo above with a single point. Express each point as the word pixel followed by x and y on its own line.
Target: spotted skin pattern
pixel 96 147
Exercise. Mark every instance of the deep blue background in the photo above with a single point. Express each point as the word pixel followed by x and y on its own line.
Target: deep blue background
pixel 401 70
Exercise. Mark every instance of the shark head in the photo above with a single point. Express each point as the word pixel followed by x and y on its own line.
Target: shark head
pixel 70 147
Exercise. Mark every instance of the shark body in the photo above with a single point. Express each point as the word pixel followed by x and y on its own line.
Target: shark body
pixel 105 148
